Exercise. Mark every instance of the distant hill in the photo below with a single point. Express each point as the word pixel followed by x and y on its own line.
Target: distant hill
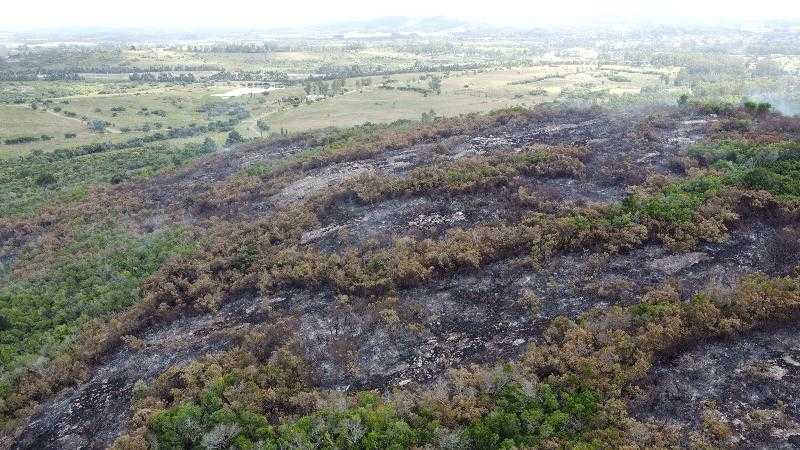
pixel 396 24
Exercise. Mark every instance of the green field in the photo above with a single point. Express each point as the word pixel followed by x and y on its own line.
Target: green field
pixel 128 116
pixel 505 73
pixel 464 92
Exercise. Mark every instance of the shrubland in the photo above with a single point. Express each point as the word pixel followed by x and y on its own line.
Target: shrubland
pixel 569 390
pixel 54 293
pixel 28 182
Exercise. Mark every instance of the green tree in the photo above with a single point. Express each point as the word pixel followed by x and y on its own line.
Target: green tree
pixel 45 179
pixel 209 145
pixel 234 137
pixel 322 88
pixel 337 85
pixel 97 126
pixel 263 126
pixel 435 84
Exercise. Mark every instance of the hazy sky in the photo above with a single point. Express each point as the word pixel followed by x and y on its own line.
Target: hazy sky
pixel 181 14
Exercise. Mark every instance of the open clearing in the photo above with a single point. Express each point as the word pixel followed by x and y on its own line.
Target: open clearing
pixel 138 110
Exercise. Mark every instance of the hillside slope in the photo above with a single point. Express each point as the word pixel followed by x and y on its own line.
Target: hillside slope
pixel 531 278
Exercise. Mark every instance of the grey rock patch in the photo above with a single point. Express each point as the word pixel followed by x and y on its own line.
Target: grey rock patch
pixel 313 235
pixel 673 264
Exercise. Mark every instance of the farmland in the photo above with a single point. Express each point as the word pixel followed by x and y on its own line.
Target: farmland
pixel 155 88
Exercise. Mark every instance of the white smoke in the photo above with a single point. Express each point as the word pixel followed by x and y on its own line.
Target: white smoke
pixel 785 103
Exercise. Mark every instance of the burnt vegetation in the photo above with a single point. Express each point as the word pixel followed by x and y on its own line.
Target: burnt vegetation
pixel 525 278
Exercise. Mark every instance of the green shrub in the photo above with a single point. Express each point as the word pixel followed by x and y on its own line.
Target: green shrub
pixel 369 424
pixel 520 419
pixel 234 137
pixel 770 167
pixel 28 182
pixel 96 274
pixel 45 179
pixel 517 418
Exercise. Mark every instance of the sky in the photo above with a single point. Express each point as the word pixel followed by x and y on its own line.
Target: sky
pixel 19 15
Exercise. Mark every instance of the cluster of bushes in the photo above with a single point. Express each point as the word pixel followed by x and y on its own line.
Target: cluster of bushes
pixel 700 207
pixel 468 175
pixel 517 417
pixel 26 139
pixel 89 276
pixel 618 78
pixel 747 110
pixel 233 110
pixel 416 89
pixel 248 75
pixel 22 180
pixel 771 166
pixel 155 112
pixel 757 108
pixel 234 401
pixel 163 77
pixel 537 79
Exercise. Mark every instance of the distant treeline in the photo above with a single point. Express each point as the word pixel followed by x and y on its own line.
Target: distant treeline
pixel 266 47
pixel 773 48
pixel 149 69
pixel 26 139
pixel 170 77
pixel 244 75
pixel 163 77
pixel 537 79
pixel 74 73
pixel 331 71
pixel 405 88
pixel 232 48
pixel 40 75
pixel 217 126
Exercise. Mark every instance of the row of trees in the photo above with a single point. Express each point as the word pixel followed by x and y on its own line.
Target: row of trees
pixel 50 75
pixel 163 77
pixel 250 75
pixel 320 87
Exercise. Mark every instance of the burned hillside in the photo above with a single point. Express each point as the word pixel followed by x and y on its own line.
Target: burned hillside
pixel 532 278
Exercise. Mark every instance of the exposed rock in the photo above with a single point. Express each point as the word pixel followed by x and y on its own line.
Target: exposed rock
pixel 313 235
pixel 675 263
